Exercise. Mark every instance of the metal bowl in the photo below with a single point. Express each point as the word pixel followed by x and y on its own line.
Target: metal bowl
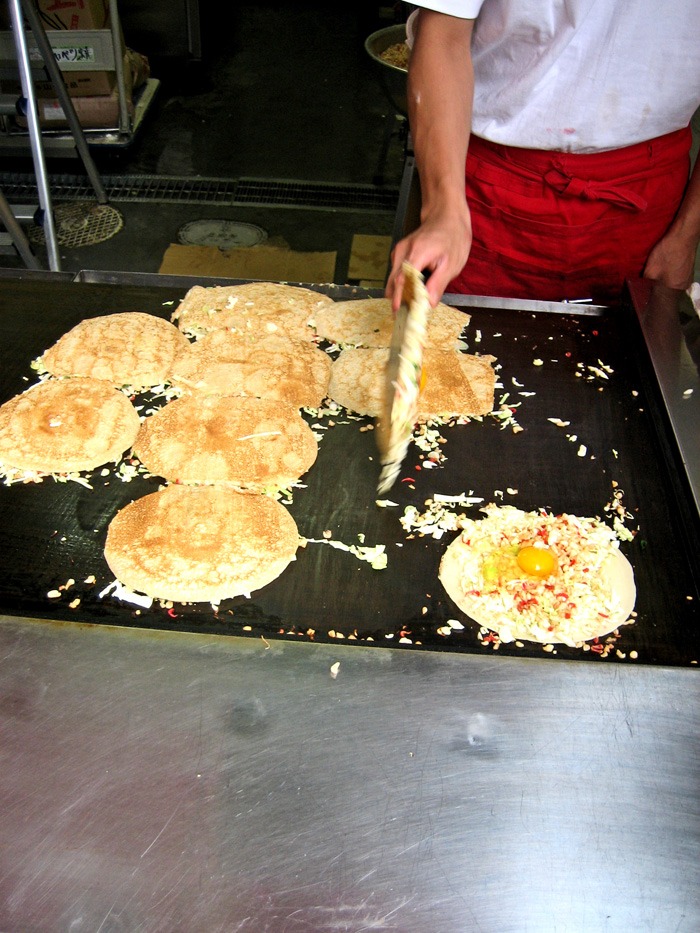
pixel 392 79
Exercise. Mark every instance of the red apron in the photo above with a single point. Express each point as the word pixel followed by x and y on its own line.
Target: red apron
pixel 564 226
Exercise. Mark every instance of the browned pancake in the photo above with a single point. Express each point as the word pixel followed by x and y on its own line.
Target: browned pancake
pixel 246 443
pixel 368 322
pixel 253 310
pixel 274 367
pixel 455 383
pixel 65 426
pixel 127 349
pixel 201 544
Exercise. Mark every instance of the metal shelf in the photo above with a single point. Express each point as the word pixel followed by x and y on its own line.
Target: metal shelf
pixel 75 51
pixel 58 143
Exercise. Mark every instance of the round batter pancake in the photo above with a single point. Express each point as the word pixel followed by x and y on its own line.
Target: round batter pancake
pixel 200 544
pixel 455 383
pixel 369 322
pixel 246 443
pixel 253 310
pixel 127 349
pixel 582 586
pixel 273 367
pixel 65 426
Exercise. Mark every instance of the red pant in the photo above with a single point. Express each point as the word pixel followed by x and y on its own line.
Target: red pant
pixel 557 225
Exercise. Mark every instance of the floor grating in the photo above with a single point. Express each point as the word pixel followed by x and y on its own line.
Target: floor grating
pixel 260 192
pixel 320 195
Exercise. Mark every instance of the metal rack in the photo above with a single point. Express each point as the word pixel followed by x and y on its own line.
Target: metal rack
pixel 18 10
pixel 73 51
pixel 35 48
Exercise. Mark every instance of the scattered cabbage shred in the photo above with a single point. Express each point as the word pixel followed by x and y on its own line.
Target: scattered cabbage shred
pixel 375 556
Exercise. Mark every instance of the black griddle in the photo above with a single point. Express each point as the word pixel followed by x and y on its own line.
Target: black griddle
pixel 54 532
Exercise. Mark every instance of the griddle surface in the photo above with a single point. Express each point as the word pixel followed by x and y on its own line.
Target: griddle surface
pixel 52 532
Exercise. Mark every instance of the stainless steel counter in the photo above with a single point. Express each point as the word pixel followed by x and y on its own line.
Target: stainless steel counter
pixel 175 782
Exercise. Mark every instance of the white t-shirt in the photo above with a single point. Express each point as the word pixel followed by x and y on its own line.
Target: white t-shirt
pixel 581 75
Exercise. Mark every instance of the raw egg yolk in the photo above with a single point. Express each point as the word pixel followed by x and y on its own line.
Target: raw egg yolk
pixel 537 561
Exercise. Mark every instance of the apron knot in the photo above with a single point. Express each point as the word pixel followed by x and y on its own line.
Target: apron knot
pixel 571 186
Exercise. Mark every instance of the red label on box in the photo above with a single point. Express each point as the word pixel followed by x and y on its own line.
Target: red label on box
pixel 57 5
pixel 74 14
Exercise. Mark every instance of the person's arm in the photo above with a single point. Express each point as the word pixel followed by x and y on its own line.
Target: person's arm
pixel 440 89
pixel 672 260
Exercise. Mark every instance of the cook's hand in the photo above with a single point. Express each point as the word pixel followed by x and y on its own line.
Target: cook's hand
pixel 439 248
pixel 672 262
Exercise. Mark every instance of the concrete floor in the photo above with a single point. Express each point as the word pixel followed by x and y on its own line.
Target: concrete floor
pixel 284 91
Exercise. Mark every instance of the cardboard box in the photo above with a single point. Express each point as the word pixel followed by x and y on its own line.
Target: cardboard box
pixel 79 84
pixel 65 14
pixel 85 57
pixel 73 50
pixel 74 14
pixel 95 113
pixel 263 263
pixel 369 260
pixel 85 84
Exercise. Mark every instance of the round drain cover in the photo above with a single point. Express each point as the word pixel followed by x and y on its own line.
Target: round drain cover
pixel 225 234
pixel 80 223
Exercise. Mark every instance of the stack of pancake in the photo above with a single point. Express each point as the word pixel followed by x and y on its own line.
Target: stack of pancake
pixel 243 361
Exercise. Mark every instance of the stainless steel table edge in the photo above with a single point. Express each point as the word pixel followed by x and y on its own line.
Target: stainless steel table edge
pixel 659 312
pixel 156 280
pixel 525 304
pixel 154 783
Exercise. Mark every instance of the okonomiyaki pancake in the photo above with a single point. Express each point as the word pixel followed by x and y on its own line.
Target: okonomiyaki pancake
pixel 65 426
pixel 455 383
pixel 221 363
pixel 535 576
pixel 201 544
pixel 126 349
pixel 252 310
pixel 246 443
pixel 368 322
